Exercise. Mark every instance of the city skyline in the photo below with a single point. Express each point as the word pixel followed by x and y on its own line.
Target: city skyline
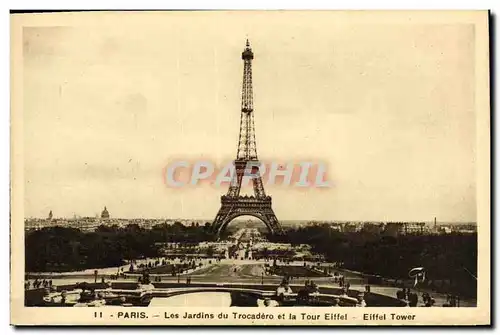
pixel 392 114
pixel 243 218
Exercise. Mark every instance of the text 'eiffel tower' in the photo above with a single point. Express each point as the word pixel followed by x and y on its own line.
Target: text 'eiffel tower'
pixel 246 164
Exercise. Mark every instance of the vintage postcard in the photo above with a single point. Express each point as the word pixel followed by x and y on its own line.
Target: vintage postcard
pixel 250 168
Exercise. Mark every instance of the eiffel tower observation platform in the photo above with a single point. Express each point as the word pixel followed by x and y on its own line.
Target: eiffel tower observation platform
pixel 250 200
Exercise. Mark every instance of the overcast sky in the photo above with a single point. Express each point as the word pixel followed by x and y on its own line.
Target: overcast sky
pixel 388 107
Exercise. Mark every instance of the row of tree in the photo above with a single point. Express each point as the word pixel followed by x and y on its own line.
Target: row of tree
pixel 67 249
pixel 451 258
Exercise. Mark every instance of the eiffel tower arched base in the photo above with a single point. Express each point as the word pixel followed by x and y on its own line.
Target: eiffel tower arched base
pixel 233 207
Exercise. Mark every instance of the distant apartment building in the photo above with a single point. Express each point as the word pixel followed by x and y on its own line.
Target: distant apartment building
pixel 336 227
pixel 86 224
pixel 466 228
pixel 351 227
pixel 404 228
pixel 373 227
pixel 444 229
pixel 456 228
pixel 34 224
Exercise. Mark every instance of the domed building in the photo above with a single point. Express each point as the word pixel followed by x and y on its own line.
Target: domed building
pixel 105 213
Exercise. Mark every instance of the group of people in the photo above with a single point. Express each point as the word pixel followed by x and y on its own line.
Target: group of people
pixel 88 297
pixel 342 282
pixel 412 298
pixel 407 295
pixel 310 291
pixel 45 283
pixel 283 291
pixel 145 279
pixel 338 278
pixel 119 274
pixel 452 301
pixel 345 286
pixel 428 300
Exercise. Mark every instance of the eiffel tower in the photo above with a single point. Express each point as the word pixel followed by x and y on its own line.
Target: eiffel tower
pixel 246 164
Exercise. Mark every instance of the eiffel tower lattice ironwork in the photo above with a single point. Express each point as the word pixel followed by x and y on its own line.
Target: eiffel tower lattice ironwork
pixel 246 164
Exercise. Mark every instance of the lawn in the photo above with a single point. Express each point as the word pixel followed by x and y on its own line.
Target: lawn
pixel 295 271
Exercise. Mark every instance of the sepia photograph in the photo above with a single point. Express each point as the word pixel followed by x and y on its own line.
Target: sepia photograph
pixel 173 167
